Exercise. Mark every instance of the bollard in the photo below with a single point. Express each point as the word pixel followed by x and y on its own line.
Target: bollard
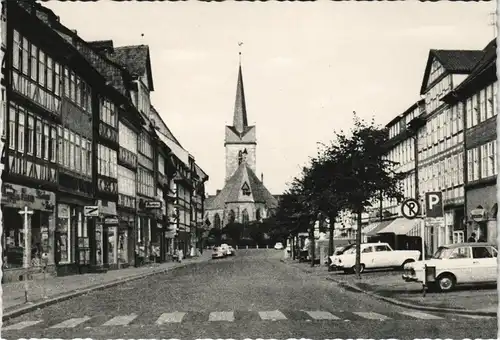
pixel 247 246
pixel 257 246
pixel 267 247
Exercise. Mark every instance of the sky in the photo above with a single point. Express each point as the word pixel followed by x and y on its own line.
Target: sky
pixel 306 66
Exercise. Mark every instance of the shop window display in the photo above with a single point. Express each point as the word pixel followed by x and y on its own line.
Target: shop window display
pixel 63 234
pixel 13 237
pixel 112 243
pixel 122 246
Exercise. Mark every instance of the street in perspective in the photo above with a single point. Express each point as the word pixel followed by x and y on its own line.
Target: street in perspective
pixel 133 207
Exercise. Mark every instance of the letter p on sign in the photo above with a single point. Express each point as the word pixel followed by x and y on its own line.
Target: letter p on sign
pixel 434 204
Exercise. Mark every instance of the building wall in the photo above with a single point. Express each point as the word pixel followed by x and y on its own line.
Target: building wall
pixel 232 157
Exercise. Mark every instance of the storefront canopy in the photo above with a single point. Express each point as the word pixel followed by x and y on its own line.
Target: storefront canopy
pixel 401 226
pixel 379 226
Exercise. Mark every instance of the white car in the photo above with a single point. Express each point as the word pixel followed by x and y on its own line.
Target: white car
pixel 230 251
pixel 217 253
pixel 375 255
pixel 460 263
pixel 225 249
pixel 278 246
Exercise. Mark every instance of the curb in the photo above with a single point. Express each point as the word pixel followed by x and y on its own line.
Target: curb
pixel 410 305
pixel 75 293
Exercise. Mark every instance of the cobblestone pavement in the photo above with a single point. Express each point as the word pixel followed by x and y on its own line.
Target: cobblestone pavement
pixel 252 295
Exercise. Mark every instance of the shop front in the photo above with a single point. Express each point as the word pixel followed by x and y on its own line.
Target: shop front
pixel 482 211
pixel 107 235
pixel 146 222
pixel 41 229
pixel 126 244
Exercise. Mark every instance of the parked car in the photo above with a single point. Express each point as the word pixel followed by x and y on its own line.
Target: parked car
pixel 375 255
pixel 231 251
pixel 460 263
pixel 335 264
pixel 225 249
pixel 217 253
pixel 278 246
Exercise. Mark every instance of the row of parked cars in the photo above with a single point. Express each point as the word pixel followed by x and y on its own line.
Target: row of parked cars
pixel 222 251
pixel 451 265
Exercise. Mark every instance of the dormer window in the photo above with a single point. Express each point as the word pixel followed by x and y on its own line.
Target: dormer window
pixel 245 189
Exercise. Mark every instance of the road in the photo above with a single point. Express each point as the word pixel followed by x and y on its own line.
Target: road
pixel 252 295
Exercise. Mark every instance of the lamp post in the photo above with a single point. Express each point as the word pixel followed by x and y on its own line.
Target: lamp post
pixel 27 254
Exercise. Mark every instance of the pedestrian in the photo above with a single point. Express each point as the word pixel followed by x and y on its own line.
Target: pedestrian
pixel 181 255
pixel 472 238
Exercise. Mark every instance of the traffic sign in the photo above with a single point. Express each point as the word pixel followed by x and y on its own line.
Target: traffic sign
pixel 153 205
pixel 91 211
pixel 410 208
pixel 434 204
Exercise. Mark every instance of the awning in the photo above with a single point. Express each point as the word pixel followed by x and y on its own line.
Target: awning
pixel 370 227
pixel 401 226
pixel 378 227
pixel 179 152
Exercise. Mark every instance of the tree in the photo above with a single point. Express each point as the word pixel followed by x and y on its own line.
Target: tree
pixel 363 171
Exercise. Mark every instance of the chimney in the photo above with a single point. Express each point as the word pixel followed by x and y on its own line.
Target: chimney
pixel 217 192
pixel 262 177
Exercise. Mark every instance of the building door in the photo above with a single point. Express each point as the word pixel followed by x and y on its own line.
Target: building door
pixel 105 247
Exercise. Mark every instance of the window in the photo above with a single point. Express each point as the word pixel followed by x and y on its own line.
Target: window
pixel 39 141
pixel 66 148
pixel 20 130
pixel 468 109
pixel 83 155
pixel 482 253
pixel 108 112
pixel 63 233
pixel 488 159
pixel 41 68
pixel 89 158
pixel 145 182
pixel 53 146
pixel 460 253
pixel 60 150
pixel 127 138
pixel 475 109
pixel 161 164
pixel 382 247
pixel 72 150
pixel 66 82
pixel 482 105
pixel 126 181
pixel 17 51
pixel 108 164
pixel 78 153
pixel 12 127
pixel 34 62
pixel 145 145
pixel 472 164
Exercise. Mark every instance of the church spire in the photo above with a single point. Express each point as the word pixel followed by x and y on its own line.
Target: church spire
pixel 240 120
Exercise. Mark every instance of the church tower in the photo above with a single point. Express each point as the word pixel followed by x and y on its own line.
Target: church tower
pixel 240 141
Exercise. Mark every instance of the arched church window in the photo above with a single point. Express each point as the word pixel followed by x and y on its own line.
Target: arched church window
pixel 244 217
pixel 240 157
pixel 232 216
pixel 217 221
pixel 257 214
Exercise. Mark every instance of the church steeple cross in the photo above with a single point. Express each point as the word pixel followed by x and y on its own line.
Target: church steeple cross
pixel 240 120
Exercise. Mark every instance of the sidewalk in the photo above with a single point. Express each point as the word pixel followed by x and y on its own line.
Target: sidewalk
pixel 389 286
pixel 61 288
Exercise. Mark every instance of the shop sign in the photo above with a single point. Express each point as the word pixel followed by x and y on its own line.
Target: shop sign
pixel 18 196
pixel 153 205
pixel 107 207
pixel 478 215
pixel 110 220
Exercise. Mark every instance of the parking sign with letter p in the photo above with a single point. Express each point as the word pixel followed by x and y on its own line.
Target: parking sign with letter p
pixel 434 204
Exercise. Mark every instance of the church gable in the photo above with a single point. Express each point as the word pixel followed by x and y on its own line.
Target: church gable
pixel 246 137
pixel 245 192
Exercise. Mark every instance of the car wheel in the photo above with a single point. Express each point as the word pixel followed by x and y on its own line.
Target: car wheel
pixel 446 283
pixel 361 268
pixel 404 263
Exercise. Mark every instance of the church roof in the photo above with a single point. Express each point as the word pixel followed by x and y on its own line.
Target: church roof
pixel 240 120
pixel 243 178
